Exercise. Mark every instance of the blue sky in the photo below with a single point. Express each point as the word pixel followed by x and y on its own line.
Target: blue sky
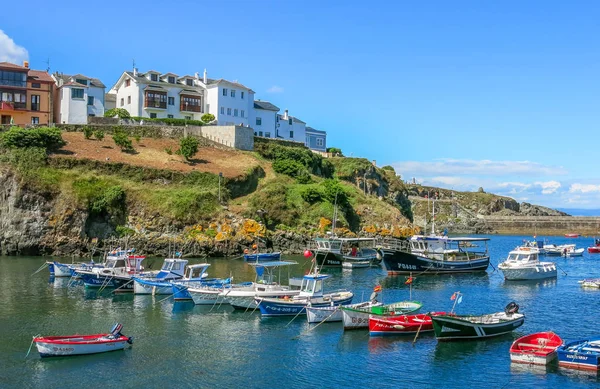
pixel 503 95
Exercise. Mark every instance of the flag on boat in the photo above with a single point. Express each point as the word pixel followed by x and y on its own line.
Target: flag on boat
pixel 453 297
pixel 377 288
pixel 459 300
pixel 409 281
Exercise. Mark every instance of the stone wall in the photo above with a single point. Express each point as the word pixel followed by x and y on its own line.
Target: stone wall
pixel 289 143
pixel 102 120
pixel 543 225
pixel 238 137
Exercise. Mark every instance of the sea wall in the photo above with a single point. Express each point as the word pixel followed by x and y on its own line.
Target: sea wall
pixel 542 225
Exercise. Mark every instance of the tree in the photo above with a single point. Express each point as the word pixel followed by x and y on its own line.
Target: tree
pixel 121 113
pixel 335 151
pixel 122 140
pixel 390 168
pixel 480 190
pixel 188 147
pixel 207 117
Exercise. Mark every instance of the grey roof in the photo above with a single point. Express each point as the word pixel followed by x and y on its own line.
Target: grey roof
pixel 156 88
pixel 294 119
pixel 190 92
pixel 265 105
pixel 66 78
pixel 315 131
pixel 110 97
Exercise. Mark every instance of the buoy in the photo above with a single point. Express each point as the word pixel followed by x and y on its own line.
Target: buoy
pixel 307 254
pixel 246 251
pixel 254 246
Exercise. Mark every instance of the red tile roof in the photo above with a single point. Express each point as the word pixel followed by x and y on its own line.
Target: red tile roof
pixel 12 66
pixel 40 75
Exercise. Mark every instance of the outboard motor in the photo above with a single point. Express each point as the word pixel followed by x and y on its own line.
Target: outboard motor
pixel 115 332
pixel 511 308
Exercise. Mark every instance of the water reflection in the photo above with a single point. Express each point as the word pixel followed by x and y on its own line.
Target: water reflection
pixel 465 350
pixel 526 368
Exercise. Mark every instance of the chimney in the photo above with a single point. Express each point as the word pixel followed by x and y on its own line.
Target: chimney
pixel 197 76
pixel 26 64
pixel 135 72
pixel 285 115
pixel 205 77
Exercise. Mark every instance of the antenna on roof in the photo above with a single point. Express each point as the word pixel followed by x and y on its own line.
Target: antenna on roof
pixel 133 61
pixel 48 65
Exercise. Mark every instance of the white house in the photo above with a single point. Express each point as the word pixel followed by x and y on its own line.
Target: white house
pixel 77 97
pixel 264 119
pixel 290 128
pixel 167 95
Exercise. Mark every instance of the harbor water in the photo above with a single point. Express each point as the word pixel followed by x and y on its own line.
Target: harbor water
pixel 179 345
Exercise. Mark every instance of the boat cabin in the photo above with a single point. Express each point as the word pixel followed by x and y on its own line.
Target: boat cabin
pixel 172 268
pixel 312 284
pixel 325 244
pixel 444 248
pixel 264 270
pixel 523 255
pixel 196 272
pixel 344 246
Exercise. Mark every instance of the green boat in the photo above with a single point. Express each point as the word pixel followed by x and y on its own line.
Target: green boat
pixel 358 316
pixel 448 326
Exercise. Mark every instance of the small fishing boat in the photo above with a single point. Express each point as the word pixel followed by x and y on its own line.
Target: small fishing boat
pixel 196 278
pixel 535 349
pixel 323 314
pixel 449 326
pixel 571 235
pixel 523 264
pixel 590 283
pixel 117 273
pixel 348 253
pixel 573 252
pixel 172 269
pixel 262 256
pixel 311 292
pixel 580 354
pixel 58 269
pixel 595 248
pixel 208 294
pixel 357 316
pixel 53 346
pixel 400 325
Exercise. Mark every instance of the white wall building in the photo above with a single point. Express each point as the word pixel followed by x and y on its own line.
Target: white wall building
pixel 77 97
pixel 291 128
pixel 264 119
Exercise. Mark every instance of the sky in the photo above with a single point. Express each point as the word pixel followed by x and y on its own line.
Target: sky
pixel 462 95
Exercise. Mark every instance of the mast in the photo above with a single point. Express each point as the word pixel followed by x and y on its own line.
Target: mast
pixel 433 217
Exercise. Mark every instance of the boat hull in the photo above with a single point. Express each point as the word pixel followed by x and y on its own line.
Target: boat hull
pixel 207 296
pixel 533 273
pixel 535 349
pixel 260 257
pixel 323 314
pixel 450 327
pixel 401 325
pixel 580 355
pixel 152 287
pixel 60 269
pixel 244 300
pixel 282 307
pixel 329 259
pixel 48 348
pixel 402 262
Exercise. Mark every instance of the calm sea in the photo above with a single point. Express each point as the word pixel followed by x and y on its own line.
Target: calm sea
pixel 179 345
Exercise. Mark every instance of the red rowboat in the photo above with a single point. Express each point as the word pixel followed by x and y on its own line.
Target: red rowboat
pixel 595 248
pixel 400 325
pixel 571 235
pixel 51 346
pixel 535 349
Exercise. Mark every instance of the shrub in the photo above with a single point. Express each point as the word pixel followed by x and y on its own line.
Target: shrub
pixel 208 117
pixel 87 132
pixel 170 121
pixel 169 150
pixel 188 147
pixel 44 137
pixel 332 190
pixel 123 231
pixel 312 195
pixel 303 177
pixel 25 159
pixel 137 138
pixel 335 150
pixel 121 113
pixel 122 140
pixel 99 134
pixel 107 200
pixel 288 167
pixel 389 168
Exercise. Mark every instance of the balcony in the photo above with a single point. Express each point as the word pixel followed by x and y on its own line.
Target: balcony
pixel 10 106
pixel 190 108
pixel 148 103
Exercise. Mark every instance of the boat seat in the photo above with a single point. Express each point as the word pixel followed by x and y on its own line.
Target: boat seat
pixel 534 345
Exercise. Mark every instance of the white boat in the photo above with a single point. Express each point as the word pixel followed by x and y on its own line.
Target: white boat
pixel 590 283
pixel 346 252
pixel 207 295
pixel 573 252
pixel 321 314
pixel 196 278
pixel 52 346
pixel 523 264
pixel 242 296
pixel 172 269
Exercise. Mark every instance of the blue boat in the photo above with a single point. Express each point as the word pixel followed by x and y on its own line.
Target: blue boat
pixel 198 278
pixel 116 273
pixel 160 283
pixel 580 354
pixel 259 257
pixel 311 293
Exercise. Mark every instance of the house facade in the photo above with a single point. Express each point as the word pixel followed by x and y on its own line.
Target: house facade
pixel 25 95
pixel 316 139
pixel 77 97
pixel 231 102
pixel 264 119
pixel 290 128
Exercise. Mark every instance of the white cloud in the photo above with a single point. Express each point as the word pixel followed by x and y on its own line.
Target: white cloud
pixel 275 89
pixel 548 187
pixel 584 188
pixel 10 51
pixel 471 167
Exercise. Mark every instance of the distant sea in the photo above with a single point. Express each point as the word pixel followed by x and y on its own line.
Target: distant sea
pixel 580 212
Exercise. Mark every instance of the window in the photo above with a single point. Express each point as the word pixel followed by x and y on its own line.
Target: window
pixel 188 118
pixel 258 121
pixel 255 133
pixel 81 81
pixel 268 134
pixel 90 100
pixel 35 102
pixel 77 93
pixel 222 110
pixel 128 99
pixel 127 82
pixel 189 82
pixel 13 78
pixel 235 112
pixel 91 114
pixel 171 100
pixel 122 102
pixel 35 120
pixel 242 113
pixel 290 121
pixel 154 77
pixel 232 93
pixel 320 142
pixel 291 134
pixel 242 95
pixel 36 85
pixel 229 111
pixel 224 91
pixel 170 116
pixel 171 80
pixel 260 133
pixel 152 115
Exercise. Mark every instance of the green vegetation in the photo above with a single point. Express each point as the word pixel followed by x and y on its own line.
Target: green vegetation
pixel 42 137
pixel 208 117
pixel 123 231
pixel 188 147
pixel 121 113
pixel 87 132
pixel 170 121
pixel 122 140
pixel 389 168
pixel 294 157
pixel 336 151
pixel 99 134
